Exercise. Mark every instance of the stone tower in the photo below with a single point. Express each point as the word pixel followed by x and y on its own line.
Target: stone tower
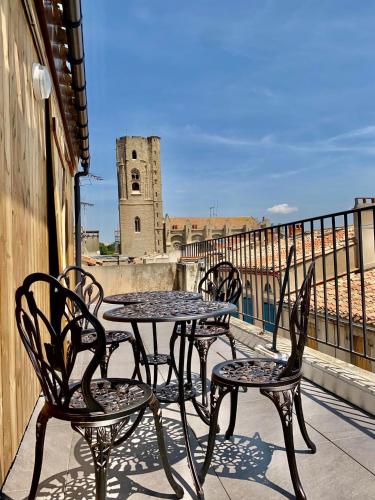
pixel 140 197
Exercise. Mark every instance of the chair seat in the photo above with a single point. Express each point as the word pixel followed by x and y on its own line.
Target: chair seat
pixel 119 397
pixel 111 336
pixel 251 372
pixel 205 331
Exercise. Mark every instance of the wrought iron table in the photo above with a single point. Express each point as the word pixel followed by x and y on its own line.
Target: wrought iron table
pixel 154 296
pixel 178 312
pixel 156 358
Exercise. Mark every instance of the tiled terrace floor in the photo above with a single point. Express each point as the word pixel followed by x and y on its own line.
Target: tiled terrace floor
pixel 253 465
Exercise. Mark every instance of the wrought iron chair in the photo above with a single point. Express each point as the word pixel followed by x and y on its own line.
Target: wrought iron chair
pixel 277 379
pixel 98 409
pixel 222 283
pixel 91 291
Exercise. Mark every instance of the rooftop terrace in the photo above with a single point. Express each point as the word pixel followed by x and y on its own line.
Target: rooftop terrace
pixel 252 465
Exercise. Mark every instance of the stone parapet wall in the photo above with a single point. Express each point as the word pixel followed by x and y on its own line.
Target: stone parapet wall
pixel 136 277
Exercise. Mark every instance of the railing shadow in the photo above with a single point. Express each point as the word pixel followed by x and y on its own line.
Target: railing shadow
pixel 343 410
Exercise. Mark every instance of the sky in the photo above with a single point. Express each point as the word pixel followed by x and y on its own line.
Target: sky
pixel 265 107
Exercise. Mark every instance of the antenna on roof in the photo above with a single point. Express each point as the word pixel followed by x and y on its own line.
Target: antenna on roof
pixel 86 204
pixel 214 209
pixel 95 177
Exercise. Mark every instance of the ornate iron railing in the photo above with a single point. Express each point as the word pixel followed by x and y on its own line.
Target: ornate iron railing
pixel 342 319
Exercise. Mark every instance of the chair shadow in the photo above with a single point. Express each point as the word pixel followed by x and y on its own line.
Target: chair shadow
pixel 246 459
pixel 139 454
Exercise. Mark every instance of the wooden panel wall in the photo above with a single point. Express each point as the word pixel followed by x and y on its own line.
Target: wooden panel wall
pixel 23 216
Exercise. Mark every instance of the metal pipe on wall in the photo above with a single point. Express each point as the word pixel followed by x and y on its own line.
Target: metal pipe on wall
pixel 72 15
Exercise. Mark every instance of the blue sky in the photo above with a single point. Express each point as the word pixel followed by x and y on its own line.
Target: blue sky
pixel 260 104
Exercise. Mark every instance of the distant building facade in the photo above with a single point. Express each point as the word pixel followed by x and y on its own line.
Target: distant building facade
pixel 143 228
pixel 182 230
pixel 140 195
pixel 90 242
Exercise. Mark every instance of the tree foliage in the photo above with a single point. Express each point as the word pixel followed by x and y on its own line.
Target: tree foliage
pixel 107 249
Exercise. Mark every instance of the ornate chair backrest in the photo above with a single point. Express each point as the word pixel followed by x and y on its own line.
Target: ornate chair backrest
pixel 87 287
pixel 45 337
pixel 282 295
pixel 222 283
pixel 299 319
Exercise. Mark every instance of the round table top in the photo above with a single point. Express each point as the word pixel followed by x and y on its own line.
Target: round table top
pixel 157 296
pixel 179 310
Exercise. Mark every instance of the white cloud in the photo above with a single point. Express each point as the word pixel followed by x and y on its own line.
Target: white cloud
pixel 283 208
pixel 286 173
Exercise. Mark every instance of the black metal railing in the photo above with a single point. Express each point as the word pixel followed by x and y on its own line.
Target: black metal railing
pixel 342 319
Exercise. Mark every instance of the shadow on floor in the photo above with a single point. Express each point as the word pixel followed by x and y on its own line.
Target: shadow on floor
pixel 245 458
pixel 139 454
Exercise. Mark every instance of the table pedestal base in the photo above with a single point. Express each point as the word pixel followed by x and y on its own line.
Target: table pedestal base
pixel 170 393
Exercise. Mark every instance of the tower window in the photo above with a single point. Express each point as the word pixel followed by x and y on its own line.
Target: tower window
pixel 137 225
pixel 135 180
pixel 156 194
pixel 194 226
pixel 135 175
pixel 134 154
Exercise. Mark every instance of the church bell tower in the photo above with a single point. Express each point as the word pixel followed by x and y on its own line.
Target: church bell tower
pixel 140 197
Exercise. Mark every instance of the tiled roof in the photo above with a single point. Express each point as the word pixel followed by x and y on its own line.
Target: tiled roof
pixel 214 222
pixel 270 259
pixel 342 294
pixel 305 247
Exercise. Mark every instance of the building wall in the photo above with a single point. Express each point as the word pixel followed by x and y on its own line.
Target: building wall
pixel 90 243
pixel 195 229
pixel 146 202
pixel 25 191
pixel 136 277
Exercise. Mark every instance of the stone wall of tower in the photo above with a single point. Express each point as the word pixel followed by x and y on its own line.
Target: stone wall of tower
pixel 139 156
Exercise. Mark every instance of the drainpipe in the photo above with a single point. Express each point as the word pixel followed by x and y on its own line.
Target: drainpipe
pixel 77 215
pixel 72 15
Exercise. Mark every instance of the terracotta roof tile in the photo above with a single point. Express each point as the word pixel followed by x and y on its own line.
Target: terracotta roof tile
pixel 343 302
pixel 270 256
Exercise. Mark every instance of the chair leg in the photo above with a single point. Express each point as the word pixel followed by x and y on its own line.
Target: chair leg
pixel 172 367
pixel 101 441
pixel 41 426
pixel 215 408
pixel 109 350
pixel 233 413
pixel 203 345
pixel 301 419
pixel 283 400
pixel 155 408
pixel 137 371
pixel 232 345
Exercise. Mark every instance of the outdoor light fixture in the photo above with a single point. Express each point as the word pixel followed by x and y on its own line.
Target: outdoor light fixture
pixel 41 82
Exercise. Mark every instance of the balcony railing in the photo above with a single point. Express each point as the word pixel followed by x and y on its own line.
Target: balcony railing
pixel 342 319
